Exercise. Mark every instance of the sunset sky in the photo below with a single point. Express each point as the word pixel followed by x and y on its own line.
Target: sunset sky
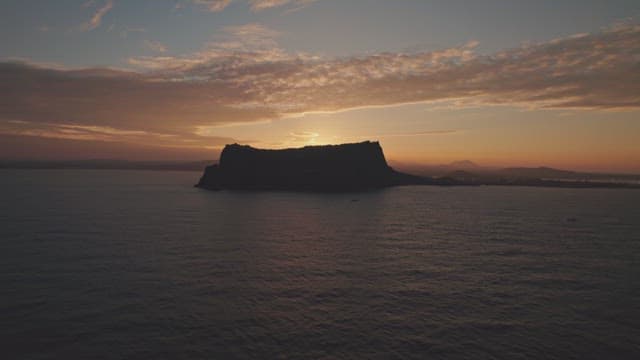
pixel 499 82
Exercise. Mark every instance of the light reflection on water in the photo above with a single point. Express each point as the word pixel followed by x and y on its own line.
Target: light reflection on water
pixel 126 264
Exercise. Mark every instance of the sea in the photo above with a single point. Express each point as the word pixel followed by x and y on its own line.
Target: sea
pixel 108 264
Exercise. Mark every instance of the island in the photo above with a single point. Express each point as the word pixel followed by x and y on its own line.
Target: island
pixel 344 167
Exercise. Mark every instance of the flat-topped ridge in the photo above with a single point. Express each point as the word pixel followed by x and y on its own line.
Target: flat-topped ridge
pixel 318 167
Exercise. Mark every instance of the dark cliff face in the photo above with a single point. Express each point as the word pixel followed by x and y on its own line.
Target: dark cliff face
pixel 332 167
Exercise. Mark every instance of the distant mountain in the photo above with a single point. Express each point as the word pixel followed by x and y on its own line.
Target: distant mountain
pixel 440 169
pixel 466 171
pixel 558 174
pixel 540 172
pixel 463 165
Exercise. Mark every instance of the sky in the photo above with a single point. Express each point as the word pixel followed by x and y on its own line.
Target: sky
pixel 497 82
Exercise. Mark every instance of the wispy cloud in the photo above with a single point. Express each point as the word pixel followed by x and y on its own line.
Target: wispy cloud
pixel 241 83
pixel 124 31
pixel 250 42
pixel 255 5
pixel 299 5
pixel 304 134
pixel 213 5
pixel 253 30
pixel 96 19
pixel 415 133
pixel 258 5
pixel 583 71
pixel 155 46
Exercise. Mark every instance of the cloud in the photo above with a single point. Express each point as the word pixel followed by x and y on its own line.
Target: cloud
pixel 304 135
pixel 253 30
pixel 213 5
pixel 236 44
pixel 125 101
pixel 417 133
pixel 96 19
pixel 237 80
pixel 597 70
pixel 155 46
pixel 126 30
pixel 257 5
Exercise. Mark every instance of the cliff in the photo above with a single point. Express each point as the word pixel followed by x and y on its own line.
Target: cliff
pixel 358 166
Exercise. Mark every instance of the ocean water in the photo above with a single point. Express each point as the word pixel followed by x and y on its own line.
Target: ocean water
pixel 141 265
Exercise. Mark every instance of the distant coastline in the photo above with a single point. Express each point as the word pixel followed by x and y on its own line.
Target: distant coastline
pixel 105 165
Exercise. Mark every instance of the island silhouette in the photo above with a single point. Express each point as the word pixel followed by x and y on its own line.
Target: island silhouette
pixel 344 167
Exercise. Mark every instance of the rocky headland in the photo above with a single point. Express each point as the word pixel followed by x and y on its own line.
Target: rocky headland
pixel 348 167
